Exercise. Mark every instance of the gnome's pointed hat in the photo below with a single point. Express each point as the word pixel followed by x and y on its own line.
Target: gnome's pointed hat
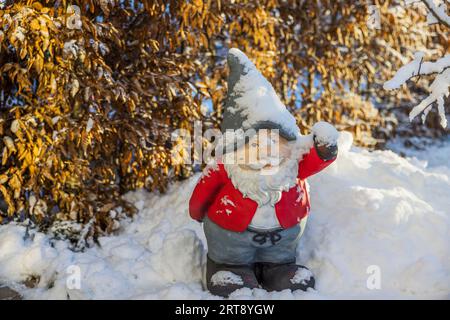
pixel 252 103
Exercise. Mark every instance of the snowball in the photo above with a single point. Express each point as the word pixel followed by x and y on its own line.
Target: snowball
pixel 325 133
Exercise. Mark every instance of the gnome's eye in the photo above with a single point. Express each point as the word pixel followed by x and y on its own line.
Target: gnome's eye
pixel 254 144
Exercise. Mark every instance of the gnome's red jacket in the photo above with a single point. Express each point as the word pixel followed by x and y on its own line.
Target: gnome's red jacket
pixel 216 196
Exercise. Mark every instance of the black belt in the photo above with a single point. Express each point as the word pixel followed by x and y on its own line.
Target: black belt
pixel 262 236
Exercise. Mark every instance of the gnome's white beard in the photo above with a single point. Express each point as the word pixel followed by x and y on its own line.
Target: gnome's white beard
pixel 265 185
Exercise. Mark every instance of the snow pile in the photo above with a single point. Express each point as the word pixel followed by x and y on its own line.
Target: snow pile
pixel 421 148
pixel 373 214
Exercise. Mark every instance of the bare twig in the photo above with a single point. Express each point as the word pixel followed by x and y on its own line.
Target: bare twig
pixel 418 72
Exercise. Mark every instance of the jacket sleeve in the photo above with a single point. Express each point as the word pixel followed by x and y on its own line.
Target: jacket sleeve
pixel 205 192
pixel 311 164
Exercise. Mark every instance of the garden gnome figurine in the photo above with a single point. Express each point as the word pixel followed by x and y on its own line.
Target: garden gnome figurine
pixel 254 202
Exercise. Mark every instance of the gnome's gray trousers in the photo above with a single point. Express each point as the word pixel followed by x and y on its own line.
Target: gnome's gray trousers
pixel 250 246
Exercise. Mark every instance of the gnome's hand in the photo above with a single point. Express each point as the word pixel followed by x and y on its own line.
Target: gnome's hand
pixel 325 140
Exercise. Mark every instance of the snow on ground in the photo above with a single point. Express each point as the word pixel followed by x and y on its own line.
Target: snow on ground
pixel 370 211
pixel 431 152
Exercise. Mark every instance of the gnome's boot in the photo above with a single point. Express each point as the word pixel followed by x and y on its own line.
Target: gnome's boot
pixel 223 279
pixel 277 277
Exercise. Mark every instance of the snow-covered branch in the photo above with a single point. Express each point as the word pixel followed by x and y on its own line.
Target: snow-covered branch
pixel 415 68
pixel 438 12
pixel 439 89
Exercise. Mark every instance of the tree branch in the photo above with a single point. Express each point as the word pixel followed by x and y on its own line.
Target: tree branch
pixel 417 67
pixel 439 14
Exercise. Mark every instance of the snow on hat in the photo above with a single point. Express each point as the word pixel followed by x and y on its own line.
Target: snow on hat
pixel 252 103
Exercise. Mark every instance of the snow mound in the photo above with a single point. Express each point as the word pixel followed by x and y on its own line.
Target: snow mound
pixel 370 211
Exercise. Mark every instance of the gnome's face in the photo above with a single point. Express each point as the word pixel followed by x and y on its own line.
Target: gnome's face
pixel 263 167
pixel 264 151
